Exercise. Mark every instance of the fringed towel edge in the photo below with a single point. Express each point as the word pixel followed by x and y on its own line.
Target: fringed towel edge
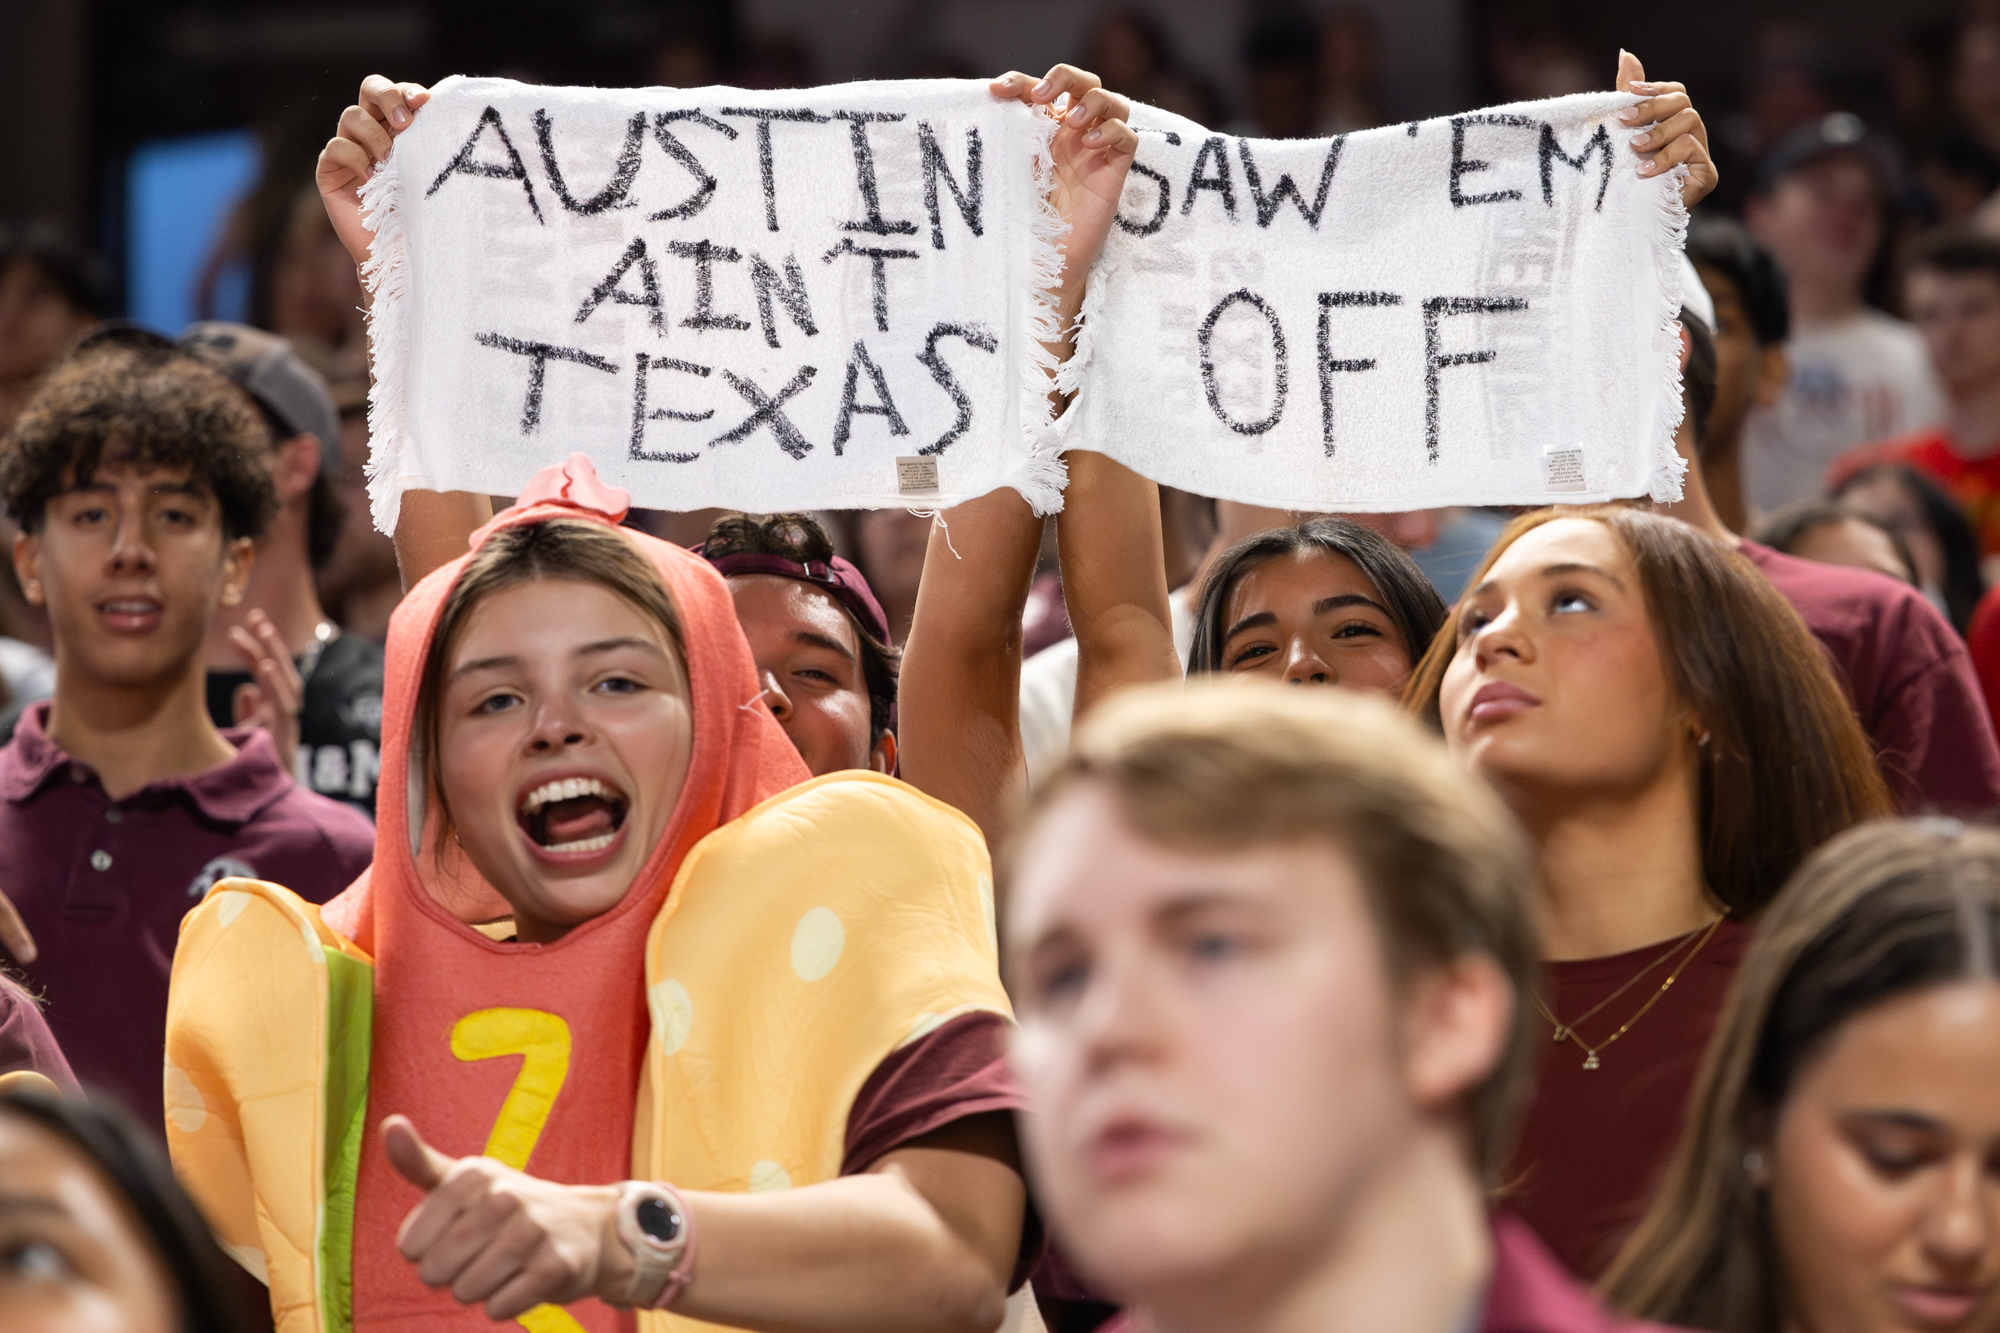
pixel 387 275
pixel 1669 469
pixel 1073 378
pixel 1045 474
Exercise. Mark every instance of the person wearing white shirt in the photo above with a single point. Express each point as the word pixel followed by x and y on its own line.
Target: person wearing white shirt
pixel 1858 375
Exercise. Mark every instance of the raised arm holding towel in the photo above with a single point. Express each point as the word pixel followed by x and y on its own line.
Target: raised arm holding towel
pixel 433 528
pixel 1678 137
pixel 924 1234
pixel 961 685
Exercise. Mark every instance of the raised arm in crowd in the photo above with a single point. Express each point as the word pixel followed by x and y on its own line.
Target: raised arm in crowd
pixel 961 703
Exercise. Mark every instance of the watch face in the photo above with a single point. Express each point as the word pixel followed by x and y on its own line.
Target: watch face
pixel 657 1218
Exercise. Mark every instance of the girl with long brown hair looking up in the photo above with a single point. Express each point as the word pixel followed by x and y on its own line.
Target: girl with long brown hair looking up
pixel 1673 741
pixel 1839 1169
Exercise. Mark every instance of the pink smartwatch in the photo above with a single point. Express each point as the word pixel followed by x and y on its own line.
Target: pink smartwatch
pixel 657 1227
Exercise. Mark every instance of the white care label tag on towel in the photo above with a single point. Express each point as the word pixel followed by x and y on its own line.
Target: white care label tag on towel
pixel 916 476
pixel 1562 467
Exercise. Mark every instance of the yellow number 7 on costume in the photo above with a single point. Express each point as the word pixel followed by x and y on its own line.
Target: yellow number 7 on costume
pixel 542 1041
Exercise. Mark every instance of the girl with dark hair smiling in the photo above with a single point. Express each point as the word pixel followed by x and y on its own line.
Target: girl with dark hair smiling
pixel 1325 602
pixel 1674 742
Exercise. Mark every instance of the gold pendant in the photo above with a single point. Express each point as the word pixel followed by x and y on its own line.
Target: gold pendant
pixel 1590 1060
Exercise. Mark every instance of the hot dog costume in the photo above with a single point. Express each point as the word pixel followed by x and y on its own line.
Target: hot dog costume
pixel 711 1030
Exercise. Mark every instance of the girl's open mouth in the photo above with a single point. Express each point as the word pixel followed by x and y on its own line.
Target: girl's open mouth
pixel 573 816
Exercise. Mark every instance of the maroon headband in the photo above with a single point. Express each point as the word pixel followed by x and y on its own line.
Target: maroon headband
pixel 840 580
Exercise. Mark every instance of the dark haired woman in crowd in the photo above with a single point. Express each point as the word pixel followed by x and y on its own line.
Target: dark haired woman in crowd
pixel 1327 602
pixel 96 1234
pixel 1838 1172
pixel 1674 742
pixel 51 291
pixel 1930 523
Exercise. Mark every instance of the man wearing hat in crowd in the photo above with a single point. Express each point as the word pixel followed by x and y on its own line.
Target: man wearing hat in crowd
pixel 1819 203
pixel 318 691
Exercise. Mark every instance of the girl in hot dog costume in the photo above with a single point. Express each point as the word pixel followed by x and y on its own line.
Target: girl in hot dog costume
pixel 611 935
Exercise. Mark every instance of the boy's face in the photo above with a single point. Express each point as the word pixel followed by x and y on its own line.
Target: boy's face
pixel 809 662
pixel 131 569
pixel 1823 221
pixel 1959 316
pixel 1217 1058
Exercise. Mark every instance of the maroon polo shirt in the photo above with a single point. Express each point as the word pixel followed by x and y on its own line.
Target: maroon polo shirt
pixel 1909 675
pixel 103 884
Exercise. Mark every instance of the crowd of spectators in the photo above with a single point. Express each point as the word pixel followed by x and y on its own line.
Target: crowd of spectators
pixel 1634 866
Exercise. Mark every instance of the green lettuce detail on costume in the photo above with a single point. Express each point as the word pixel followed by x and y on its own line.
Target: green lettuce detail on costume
pixel 350 1013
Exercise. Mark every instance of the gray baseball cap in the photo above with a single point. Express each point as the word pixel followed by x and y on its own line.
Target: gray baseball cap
pixel 272 373
pixel 1837 132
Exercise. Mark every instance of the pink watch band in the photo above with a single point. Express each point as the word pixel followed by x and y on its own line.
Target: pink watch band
pixel 652 1289
pixel 684 1270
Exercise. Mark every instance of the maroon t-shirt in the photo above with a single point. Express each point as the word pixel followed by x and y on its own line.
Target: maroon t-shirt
pixel 957 1071
pixel 1595 1142
pixel 1908 674
pixel 1982 641
pixel 102 885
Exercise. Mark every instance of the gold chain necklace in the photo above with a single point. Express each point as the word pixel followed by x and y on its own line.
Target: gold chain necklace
pixel 1564 1029
pixel 1568 1032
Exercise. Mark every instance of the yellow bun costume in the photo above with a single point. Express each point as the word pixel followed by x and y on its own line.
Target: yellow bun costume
pixel 712 1030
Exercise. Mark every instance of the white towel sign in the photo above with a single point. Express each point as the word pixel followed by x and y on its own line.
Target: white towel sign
pixel 1471 310
pixel 836 298
pixel 827 298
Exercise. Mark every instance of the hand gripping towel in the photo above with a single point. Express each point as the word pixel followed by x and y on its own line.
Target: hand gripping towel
pixel 826 298
pixel 1478 309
